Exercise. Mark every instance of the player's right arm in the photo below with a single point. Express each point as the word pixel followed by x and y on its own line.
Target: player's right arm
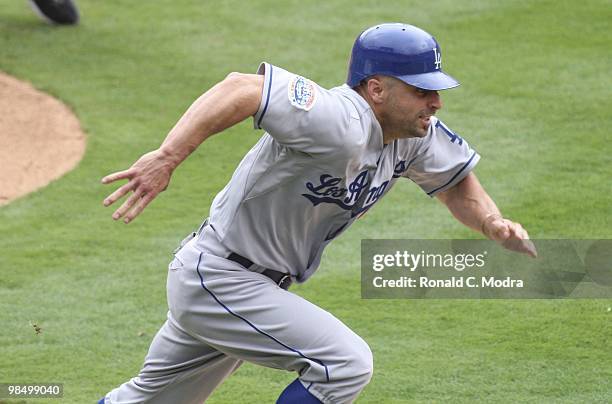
pixel 224 105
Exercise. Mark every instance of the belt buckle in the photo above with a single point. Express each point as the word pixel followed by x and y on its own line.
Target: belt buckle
pixel 282 280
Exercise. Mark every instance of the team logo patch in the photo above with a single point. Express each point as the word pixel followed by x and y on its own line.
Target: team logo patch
pixel 437 58
pixel 302 93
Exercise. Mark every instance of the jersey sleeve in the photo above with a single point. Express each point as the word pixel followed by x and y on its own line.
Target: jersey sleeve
pixel 300 114
pixel 444 161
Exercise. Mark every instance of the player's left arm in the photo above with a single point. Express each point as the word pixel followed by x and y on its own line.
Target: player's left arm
pixel 472 206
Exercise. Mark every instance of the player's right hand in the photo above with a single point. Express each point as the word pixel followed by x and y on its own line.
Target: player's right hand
pixel 148 176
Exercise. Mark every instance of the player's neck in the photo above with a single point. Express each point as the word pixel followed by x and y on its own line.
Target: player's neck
pixel 387 136
pixel 389 132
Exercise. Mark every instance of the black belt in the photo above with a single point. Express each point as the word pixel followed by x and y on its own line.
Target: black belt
pixel 281 279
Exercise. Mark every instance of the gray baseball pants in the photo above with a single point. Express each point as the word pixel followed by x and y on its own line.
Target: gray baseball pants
pixel 221 314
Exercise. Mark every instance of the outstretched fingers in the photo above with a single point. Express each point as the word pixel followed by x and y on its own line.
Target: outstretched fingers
pixel 148 176
pixel 119 193
pixel 119 175
pixel 128 204
pixel 140 205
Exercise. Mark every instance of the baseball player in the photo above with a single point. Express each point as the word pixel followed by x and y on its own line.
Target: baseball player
pixel 326 157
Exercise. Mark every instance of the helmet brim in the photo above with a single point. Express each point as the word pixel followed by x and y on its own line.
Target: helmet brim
pixel 437 80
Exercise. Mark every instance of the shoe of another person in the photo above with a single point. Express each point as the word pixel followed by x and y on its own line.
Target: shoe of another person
pixel 56 11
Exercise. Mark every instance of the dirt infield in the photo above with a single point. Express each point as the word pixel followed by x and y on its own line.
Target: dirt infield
pixel 40 139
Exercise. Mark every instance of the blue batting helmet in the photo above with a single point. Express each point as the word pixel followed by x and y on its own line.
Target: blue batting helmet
pixel 402 51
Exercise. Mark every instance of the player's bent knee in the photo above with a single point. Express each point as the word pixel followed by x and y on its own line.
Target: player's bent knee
pixel 366 364
pixel 361 363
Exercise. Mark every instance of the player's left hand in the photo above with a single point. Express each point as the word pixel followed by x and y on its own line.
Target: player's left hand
pixel 510 235
pixel 148 176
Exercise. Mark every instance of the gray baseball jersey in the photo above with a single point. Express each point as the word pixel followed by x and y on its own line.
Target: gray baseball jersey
pixel 320 165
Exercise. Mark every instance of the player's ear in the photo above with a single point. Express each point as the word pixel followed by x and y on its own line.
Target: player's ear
pixel 376 89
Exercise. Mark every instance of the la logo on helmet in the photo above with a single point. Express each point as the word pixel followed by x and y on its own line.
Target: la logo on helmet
pixel 438 58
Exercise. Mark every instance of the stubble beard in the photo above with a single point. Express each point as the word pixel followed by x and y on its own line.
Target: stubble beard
pixel 419 127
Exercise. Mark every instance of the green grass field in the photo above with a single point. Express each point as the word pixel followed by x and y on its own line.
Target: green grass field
pixel 534 101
